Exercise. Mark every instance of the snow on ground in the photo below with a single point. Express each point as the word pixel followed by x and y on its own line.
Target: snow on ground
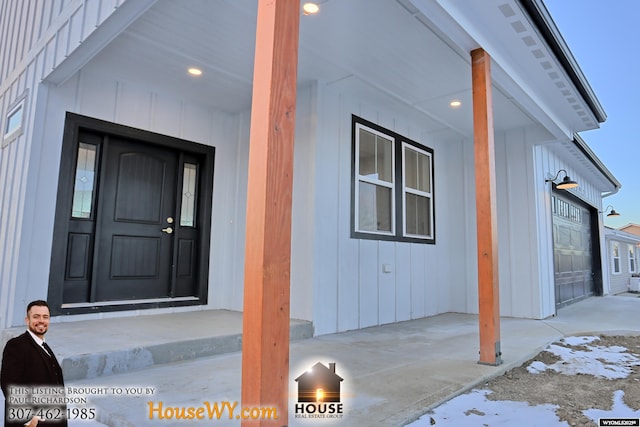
pixel 474 409
pixel 605 362
pixel 620 409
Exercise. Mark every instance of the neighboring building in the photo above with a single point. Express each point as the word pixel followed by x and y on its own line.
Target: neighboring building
pixel 621 258
pixel 631 228
pixel 123 178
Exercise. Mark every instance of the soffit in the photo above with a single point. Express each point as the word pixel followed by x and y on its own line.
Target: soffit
pixel 528 68
pixel 382 50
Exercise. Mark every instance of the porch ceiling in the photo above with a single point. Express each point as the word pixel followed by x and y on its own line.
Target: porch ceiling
pixel 377 49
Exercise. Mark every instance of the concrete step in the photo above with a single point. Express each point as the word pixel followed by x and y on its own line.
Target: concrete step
pixel 97 348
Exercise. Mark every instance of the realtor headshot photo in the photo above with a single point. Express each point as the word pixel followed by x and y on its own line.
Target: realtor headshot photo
pixel 30 376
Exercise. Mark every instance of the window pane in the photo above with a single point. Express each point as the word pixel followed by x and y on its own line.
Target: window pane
pixel 14 120
pixel 410 168
pixel 418 215
pixel 375 157
pixel 417 171
pixel 188 212
pixel 84 183
pixel 374 208
pixel 384 168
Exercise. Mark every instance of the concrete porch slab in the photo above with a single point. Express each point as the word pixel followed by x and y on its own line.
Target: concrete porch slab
pixel 392 374
pixel 95 348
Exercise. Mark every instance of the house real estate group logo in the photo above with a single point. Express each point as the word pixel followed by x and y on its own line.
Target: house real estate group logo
pixel 318 394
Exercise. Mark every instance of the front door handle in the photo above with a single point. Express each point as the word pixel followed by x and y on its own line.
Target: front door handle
pixel 168 230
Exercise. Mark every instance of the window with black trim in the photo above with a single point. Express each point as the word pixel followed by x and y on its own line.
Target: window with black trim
pixel 392 186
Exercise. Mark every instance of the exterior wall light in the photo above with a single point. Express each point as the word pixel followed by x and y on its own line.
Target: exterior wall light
pixel 612 213
pixel 566 181
pixel 310 8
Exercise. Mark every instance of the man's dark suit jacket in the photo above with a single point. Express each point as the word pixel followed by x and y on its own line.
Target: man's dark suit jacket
pixel 25 363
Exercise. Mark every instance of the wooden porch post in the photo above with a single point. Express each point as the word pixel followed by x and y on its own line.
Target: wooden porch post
pixel 486 212
pixel 265 342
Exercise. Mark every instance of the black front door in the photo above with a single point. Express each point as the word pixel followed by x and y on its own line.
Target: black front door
pixel 133 220
pixel 136 214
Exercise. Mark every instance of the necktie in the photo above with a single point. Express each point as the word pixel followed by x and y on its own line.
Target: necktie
pixel 47 349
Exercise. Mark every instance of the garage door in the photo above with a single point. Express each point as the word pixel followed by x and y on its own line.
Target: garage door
pixel 572 246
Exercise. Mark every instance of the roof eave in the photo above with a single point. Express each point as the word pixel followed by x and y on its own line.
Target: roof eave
pixel 544 22
pixel 586 150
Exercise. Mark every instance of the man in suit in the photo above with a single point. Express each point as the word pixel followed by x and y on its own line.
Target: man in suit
pixel 31 377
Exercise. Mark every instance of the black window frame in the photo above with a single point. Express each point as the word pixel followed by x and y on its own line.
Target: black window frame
pixel 399 142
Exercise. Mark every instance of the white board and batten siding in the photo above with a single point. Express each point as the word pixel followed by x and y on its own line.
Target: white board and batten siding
pixel 339 282
pixel 628 246
pixel 35 36
pixel 94 93
pixel 547 164
pixel 352 289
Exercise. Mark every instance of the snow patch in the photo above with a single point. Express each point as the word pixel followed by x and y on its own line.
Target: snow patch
pixel 474 409
pixel 599 361
pixel 619 410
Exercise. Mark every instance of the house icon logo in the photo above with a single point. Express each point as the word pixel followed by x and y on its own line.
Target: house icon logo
pixel 319 393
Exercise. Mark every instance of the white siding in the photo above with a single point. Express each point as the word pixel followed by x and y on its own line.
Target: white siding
pixel 517 234
pixel 303 219
pixel 95 94
pixel 548 163
pixel 619 282
pixel 35 37
pixel 351 289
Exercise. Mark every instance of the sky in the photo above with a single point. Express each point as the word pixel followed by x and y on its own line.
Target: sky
pixel 603 36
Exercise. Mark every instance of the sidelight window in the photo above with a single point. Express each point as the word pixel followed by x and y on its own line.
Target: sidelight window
pixel 84 186
pixel 189 181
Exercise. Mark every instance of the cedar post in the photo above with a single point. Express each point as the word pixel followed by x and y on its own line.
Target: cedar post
pixel 486 211
pixel 265 337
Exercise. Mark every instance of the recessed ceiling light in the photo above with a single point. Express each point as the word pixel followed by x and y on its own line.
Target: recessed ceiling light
pixel 455 103
pixel 195 71
pixel 310 8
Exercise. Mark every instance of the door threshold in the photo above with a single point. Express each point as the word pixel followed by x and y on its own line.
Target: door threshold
pixel 126 302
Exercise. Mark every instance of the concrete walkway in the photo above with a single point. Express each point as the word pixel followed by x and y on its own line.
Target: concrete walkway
pixel 392 374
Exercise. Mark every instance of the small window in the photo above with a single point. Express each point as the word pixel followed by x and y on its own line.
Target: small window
pixel 84 186
pixel 392 186
pixel 14 123
pixel 189 181
pixel 632 258
pixel 615 257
